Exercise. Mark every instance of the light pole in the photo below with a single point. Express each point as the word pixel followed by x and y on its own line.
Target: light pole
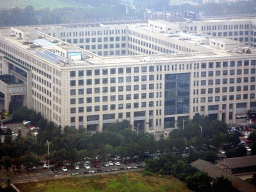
pixel 183 123
pixel 48 151
pixel 138 125
pixel 201 130
pixel 36 140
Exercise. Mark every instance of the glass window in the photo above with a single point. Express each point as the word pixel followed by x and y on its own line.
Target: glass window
pixel 113 89
pixel 105 98
pixel 113 80
pixel 224 81
pixel 128 97
pixel 72 73
pixel 105 89
pixel 151 77
pixel 136 96
pixel 113 71
pixel 80 91
pixel 144 69
pixel 120 70
pixel 232 80
pixel 144 78
pixel 232 72
pixel 89 82
pixel 96 81
pixel 80 73
pixel 203 82
pixel 136 87
pixel 128 105
pixel 136 78
pixel 89 72
pixel 73 83
pixel 136 69
pixel 97 99
pixel 105 71
pixel 120 88
pixel 128 70
pixel 97 90
pixel 72 92
pixel 224 89
pixel 73 110
pixel 120 97
pixel 89 109
pixel 81 100
pixel 72 101
pixel 89 90
pixel 80 82
pixel 112 97
pixel 104 107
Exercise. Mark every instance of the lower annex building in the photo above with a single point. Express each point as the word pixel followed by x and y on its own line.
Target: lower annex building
pixel 152 78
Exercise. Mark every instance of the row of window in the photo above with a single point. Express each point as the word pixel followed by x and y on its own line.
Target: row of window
pixel 114 98
pixel 226 97
pixel 225 72
pixel 225 81
pixel 112 71
pixel 113 107
pixel 113 80
pixel 231 89
pixel 113 89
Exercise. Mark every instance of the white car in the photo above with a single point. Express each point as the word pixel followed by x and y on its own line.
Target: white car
pixel 86 166
pixel 110 163
pixel 221 151
pixel 76 167
pixel 117 163
pixel 248 148
pixel 64 169
pixel 47 166
pixel 26 122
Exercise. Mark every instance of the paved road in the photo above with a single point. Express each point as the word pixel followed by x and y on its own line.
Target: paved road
pixel 16 126
pixel 41 173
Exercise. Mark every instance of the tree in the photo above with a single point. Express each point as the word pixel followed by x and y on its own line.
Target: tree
pixel 8 136
pixel 29 160
pixel 223 184
pixel 252 136
pixel 253 149
pixel 199 182
pixel 254 179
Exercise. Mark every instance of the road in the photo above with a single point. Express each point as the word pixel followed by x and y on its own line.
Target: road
pixel 16 126
pixel 41 174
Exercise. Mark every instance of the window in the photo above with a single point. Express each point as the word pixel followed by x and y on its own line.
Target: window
pixel 80 73
pixel 89 72
pixel 224 89
pixel 104 71
pixel 73 110
pixel 97 72
pixel 225 72
pixel 72 101
pixel 210 65
pixel 112 97
pixel 113 89
pixel 72 73
pixel 225 64
pixel 239 71
pixel 128 97
pixel 224 98
pixel 217 81
pixel 128 105
pixel 104 107
pixel 238 97
pixel 120 88
pixel 136 69
pixel 128 70
pixel 246 71
pixel 238 88
pixel 120 70
pixel 80 109
pixel 144 78
pixel 72 119
pixel 232 72
pixel 210 90
pixel 89 109
pixel 231 89
pixel 202 91
pixel 80 91
pixel 202 99
pixel 246 88
pixel 105 89
pixel 203 82
pixel 89 90
pixel 136 105
pixel 97 99
pixel 80 82
pixel 136 96
pixel 73 83
pixel 105 98
pixel 72 92
pixel 232 80
pixel 231 97
pixel 144 69
pixel 113 71
pixel 97 90
pixel 97 108
pixel 252 79
pixel 136 78
pixel 151 77
pixel 136 87
pixel 151 86
pixel 203 74
pixel 113 80
pixel 203 65
pixel 217 73
pixel 210 73
pixel 224 81
pixel 81 100
pixel 217 98
pixel 120 97
pixel 246 79
pixel 210 82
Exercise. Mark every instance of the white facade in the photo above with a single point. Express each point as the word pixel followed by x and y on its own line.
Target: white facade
pixel 161 77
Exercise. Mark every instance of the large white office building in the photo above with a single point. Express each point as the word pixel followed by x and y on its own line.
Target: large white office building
pixel 152 74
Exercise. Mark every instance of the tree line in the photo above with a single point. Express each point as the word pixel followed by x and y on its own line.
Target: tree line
pixel 172 154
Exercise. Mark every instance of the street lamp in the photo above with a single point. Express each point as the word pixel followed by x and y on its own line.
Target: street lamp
pixel 36 140
pixel 183 123
pixel 138 125
pixel 48 151
pixel 201 130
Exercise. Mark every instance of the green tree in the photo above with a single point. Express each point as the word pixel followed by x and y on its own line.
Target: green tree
pixel 29 160
pixel 223 184
pixel 253 149
pixel 199 182
pixel 8 136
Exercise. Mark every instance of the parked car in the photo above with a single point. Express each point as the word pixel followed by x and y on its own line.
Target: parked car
pixel 106 165
pixel 31 169
pixel 54 170
pixel 248 148
pixel 117 163
pixel 26 122
pixel 86 166
pixel 76 167
pixel 110 163
pixel 47 166
pixel 97 165
pixel 64 169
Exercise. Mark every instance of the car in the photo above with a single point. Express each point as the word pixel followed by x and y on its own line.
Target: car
pixel 127 163
pixel 99 170
pixel 249 141
pixel 86 166
pixel 31 169
pixel 64 169
pixel 91 171
pixel 110 163
pixel 248 148
pixel 117 163
pixel 248 128
pixel 32 128
pixel 106 165
pixel 221 151
pixel 76 167
pixel 54 170
pixel 97 165
pixel 47 166
pixel 243 142
pixel 26 122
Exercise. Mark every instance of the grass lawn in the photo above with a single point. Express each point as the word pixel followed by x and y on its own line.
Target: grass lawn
pixel 125 182
pixel 51 4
